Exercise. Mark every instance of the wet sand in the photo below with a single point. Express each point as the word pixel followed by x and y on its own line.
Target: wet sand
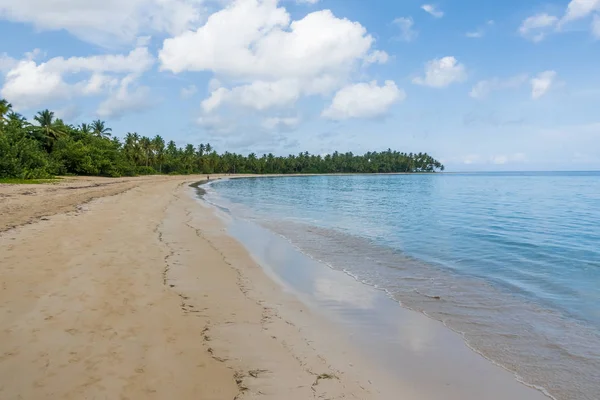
pixel 136 290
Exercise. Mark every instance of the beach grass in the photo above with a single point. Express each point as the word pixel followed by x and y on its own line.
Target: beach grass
pixel 19 181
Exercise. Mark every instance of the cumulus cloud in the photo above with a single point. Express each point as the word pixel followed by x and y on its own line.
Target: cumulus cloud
pixel 433 10
pixel 126 98
pixel 259 95
pixel 377 57
pixel 363 100
pixel 537 26
pixel 442 72
pixel 104 21
pixel 578 9
pixel 269 60
pixel 407 33
pixel 267 44
pixel 28 84
pixel 483 88
pixel 541 84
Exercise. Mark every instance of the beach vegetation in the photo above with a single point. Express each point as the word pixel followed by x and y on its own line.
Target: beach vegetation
pixel 46 146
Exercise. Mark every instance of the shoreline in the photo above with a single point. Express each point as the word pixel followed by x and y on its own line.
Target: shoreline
pixel 517 385
pixel 144 293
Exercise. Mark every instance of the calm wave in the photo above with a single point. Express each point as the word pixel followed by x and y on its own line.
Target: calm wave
pixel 511 261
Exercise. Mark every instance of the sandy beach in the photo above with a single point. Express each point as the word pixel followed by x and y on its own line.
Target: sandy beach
pixel 116 289
pixel 134 288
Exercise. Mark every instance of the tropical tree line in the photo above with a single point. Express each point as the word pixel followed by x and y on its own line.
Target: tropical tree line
pixel 47 146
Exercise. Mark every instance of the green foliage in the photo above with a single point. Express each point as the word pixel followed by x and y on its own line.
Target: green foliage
pixel 18 181
pixel 21 156
pixel 49 147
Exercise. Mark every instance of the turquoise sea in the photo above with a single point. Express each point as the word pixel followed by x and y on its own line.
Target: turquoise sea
pixel 509 260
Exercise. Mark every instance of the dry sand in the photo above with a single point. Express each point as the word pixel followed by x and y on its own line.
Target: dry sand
pixel 130 289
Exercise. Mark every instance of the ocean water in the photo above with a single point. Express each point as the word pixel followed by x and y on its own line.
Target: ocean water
pixel 509 260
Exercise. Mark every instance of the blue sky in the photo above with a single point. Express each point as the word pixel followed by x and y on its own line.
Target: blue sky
pixel 508 85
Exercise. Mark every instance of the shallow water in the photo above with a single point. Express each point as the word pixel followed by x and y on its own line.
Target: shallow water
pixel 511 261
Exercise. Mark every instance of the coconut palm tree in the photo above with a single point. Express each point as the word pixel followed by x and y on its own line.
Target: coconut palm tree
pixel 146 145
pixel 5 109
pixel 99 129
pixel 85 128
pixel 48 127
pixel 158 145
pixel 16 117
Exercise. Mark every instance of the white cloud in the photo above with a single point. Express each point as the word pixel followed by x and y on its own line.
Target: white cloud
pixel 596 26
pixel 377 57
pixel 475 35
pixel 363 100
pixel 105 21
pixel 259 95
pixel 29 84
pixel 483 88
pixel 542 83
pixel 442 72
pixel 143 41
pixel 281 123
pixel 269 60
pixel 433 10
pixel 7 62
pixel 307 1
pixel 124 100
pixel 97 83
pixel 407 33
pixel 188 91
pixel 214 84
pixel 536 27
pixel 578 9
pixel 266 44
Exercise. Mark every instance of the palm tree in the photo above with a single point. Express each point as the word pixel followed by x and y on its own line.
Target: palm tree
pixel 158 144
pixel 48 127
pixel 16 120
pixel 146 145
pixel 99 129
pixel 13 116
pixel 5 109
pixel 133 150
pixel 85 128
